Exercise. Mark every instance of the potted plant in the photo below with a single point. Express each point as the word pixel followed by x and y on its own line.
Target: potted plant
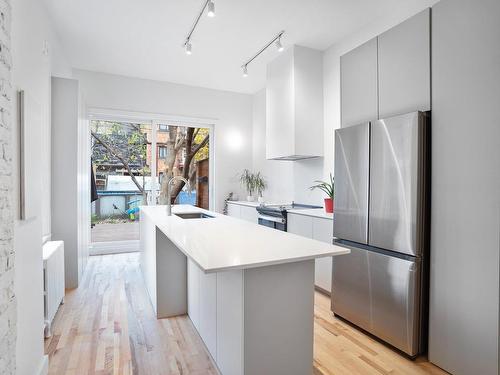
pixel 329 189
pixel 247 180
pixel 260 186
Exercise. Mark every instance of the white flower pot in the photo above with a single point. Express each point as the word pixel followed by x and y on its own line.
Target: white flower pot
pixel 261 200
pixel 250 198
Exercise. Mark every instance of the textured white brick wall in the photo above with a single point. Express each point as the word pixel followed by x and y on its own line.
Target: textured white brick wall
pixel 7 297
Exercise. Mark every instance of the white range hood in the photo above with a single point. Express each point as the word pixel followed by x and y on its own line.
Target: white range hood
pixel 294 105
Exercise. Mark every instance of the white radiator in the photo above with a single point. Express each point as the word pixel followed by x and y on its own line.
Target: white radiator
pixel 53 280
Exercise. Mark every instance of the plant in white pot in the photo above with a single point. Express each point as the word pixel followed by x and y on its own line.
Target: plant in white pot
pixel 260 185
pixel 329 189
pixel 247 180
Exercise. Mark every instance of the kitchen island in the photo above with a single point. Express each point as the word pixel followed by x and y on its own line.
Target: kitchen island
pixel 248 289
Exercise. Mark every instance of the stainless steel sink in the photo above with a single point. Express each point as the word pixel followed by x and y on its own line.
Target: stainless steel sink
pixel 193 215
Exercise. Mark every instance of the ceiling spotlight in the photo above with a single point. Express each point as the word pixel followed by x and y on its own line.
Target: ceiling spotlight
pixel 276 40
pixel 279 46
pixel 187 47
pixel 211 8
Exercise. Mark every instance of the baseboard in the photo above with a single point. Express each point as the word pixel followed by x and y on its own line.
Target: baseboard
pixel 114 247
pixel 322 291
pixel 43 369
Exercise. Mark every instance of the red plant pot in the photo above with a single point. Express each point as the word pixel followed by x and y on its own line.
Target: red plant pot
pixel 329 205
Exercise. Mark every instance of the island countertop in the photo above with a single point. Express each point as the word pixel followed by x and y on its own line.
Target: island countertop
pixel 225 243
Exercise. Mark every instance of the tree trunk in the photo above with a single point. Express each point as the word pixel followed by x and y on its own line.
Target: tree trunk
pixel 174 145
pixel 190 154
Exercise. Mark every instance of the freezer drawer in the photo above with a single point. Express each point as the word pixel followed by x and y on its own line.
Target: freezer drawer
pixel 351 183
pixel 397 183
pixel 351 287
pixel 381 294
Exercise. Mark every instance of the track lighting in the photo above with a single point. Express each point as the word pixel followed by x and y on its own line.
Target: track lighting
pixel 279 46
pixel 276 40
pixel 211 8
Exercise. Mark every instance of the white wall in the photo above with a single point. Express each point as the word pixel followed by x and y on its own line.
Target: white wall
pixel 31 35
pixel 232 112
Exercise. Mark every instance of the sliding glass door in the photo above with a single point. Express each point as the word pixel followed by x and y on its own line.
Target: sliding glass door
pixel 132 163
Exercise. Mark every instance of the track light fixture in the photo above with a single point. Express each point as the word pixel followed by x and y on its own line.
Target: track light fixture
pixel 210 6
pixel 279 46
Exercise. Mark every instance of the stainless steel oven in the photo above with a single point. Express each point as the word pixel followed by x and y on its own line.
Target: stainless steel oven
pixel 278 223
pixel 275 216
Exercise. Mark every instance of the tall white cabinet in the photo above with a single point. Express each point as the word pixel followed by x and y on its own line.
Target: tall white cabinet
pixel 465 233
pixel 317 228
pixel 70 201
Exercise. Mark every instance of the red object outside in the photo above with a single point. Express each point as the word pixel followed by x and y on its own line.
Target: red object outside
pixel 329 205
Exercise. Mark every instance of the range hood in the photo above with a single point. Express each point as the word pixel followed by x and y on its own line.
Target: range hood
pixel 294 105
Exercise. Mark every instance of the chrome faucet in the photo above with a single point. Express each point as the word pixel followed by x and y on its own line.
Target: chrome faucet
pixel 169 199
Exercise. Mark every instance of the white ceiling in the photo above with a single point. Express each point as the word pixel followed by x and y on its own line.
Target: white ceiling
pixel 144 38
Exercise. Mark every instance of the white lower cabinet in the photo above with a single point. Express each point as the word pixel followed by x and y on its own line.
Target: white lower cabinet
pixel 215 306
pixel 208 311
pixel 250 214
pixel 193 280
pixel 240 211
pixel 320 229
pixel 323 231
pixel 300 224
pixel 230 322
pixel 234 210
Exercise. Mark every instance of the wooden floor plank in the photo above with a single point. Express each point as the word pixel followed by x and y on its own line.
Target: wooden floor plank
pixel 107 326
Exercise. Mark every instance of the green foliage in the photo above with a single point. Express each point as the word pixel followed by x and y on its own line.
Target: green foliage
pixel 253 182
pixel 203 152
pixel 260 183
pixel 247 181
pixel 327 187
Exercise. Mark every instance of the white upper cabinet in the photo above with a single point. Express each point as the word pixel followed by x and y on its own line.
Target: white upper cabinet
pixel 358 80
pixel 294 105
pixel 404 68
pixel 388 75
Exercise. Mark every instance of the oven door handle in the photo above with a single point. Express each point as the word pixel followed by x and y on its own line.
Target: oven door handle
pixel 274 219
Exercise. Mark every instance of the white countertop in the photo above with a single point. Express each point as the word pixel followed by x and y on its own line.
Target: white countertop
pixel 315 212
pixel 257 204
pixel 225 243
pixel 245 203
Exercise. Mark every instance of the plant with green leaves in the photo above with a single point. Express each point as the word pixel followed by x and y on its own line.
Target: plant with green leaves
pixel 327 187
pixel 260 183
pixel 247 180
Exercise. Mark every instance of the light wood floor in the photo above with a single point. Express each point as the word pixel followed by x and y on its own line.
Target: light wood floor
pixel 107 326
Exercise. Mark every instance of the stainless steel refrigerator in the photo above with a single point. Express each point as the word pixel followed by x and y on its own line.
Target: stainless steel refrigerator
pixel 382 202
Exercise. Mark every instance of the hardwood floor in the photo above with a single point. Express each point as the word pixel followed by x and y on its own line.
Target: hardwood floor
pixel 107 326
